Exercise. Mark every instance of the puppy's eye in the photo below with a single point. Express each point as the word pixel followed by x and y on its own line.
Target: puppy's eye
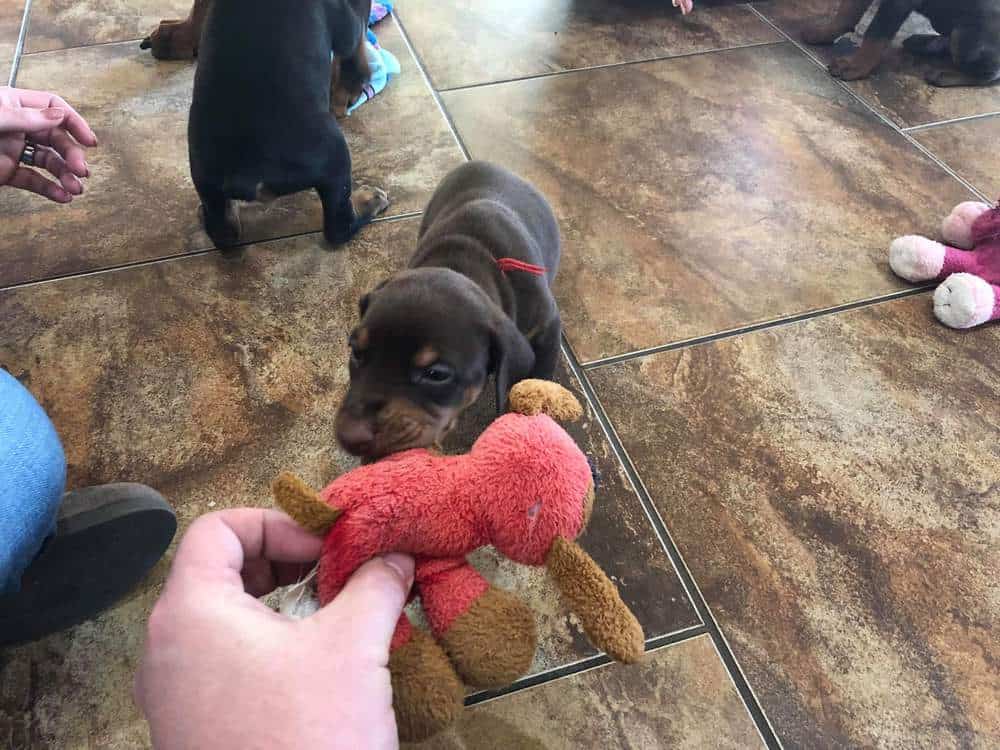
pixel 437 374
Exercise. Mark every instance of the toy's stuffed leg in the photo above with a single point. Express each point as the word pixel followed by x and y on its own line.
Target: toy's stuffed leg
pixel 545 397
pixel 488 633
pixel 956 229
pixel 965 300
pixel 427 695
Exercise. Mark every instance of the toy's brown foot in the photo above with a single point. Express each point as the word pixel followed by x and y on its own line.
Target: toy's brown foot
pixel 545 397
pixel 493 643
pixel 172 40
pixel 426 693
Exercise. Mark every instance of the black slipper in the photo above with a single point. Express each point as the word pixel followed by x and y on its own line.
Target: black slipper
pixel 107 539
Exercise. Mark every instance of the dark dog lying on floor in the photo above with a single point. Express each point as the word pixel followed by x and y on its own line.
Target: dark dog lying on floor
pixel 475 299
pixel 260 123
pixel 968 32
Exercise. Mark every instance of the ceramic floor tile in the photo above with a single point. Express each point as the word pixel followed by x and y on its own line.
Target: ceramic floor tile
pixel 681 697
pixel 10 26
pixel 57 24
pixel 140 203
pixel 968 147
pixel 204 377
pixel 833 486
pixel 898 89
pixel 713 191
pixel 463 42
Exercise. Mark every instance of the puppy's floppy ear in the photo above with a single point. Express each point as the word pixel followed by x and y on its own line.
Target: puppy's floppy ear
pixel 511 356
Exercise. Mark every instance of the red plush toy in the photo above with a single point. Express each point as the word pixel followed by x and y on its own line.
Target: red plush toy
pixel 526 489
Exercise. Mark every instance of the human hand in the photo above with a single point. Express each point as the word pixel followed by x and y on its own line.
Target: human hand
pixel 58 132
pixel 221 669
pixel 686 6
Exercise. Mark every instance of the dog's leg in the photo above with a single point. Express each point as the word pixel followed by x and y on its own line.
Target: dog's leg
pixel 928 45
pixel 221 218
pixel 344 212
pixel 848 15
pixel 976 54
pixel 178 40
pixel 348 79
pixel 546 347
pixel 888 20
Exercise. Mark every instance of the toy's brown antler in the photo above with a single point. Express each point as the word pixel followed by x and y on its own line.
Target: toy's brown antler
pixel 532 397
pixel 303 504
pixel 607 620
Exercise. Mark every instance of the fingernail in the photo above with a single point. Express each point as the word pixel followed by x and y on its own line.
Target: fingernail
pixel 54 113
pixel 402 564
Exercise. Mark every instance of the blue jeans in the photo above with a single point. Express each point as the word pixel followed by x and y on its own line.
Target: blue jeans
pixel 32 480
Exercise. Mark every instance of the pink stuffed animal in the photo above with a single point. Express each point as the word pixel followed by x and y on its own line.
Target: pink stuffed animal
pixel 970 270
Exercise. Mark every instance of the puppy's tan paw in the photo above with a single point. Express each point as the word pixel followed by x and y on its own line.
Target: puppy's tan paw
pixel 369 201
pixel 172 40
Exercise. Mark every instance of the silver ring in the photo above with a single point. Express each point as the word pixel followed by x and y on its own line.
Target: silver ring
pixel 28 155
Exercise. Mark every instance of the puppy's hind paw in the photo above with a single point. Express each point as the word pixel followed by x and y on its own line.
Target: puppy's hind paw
pixel 172 40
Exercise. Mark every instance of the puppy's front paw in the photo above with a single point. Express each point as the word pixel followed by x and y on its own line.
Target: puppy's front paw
pixel 853 68
pixel 369 201
pixel 964 301
pixel 172 40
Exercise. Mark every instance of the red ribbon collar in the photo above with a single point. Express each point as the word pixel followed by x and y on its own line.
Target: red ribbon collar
pixel 513 264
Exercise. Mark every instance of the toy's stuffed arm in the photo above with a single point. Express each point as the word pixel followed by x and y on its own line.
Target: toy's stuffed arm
pixel 607 620
pixel 533 397
pixel 303 504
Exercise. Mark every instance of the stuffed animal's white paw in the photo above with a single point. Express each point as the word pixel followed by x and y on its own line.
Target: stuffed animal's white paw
pixel 916 258
pixel 956 229
pixel 963 301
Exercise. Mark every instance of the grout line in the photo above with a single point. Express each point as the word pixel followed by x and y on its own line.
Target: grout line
pixel 605 66
pixel 587 664
pixel 754 327
pixel 22 37
pixel 881 116
pixel 181 256
pixel 952 121
pixel 430 86
pixel 742 685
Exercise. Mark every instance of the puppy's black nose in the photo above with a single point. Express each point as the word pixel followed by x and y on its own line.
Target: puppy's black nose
pixel 356 436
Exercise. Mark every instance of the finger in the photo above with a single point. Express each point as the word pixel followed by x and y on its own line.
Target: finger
pixel 216 546
pixel 53 163
pixel 72 152
pixel 73 122
pixel 367 609
pixel 35 182
pixel 30 120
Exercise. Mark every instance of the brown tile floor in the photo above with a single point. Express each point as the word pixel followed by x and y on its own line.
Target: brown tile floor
pixel 830 483
pixel 617 707
pixel 968 147
pixel 464 43
pixel 840 507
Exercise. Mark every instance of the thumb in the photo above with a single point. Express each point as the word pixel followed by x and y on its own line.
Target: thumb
pixel 29 120
pixel 366 610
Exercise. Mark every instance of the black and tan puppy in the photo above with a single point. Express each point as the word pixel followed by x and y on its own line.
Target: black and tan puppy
pixel 474 300
pixel 968 32
pixel 260 123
